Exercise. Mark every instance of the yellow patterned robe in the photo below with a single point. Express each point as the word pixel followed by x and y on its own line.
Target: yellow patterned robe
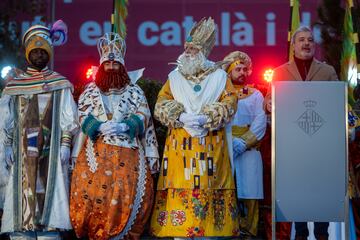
pixel 196 190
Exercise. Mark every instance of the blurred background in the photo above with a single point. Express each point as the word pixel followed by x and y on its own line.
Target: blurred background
pixel 156 30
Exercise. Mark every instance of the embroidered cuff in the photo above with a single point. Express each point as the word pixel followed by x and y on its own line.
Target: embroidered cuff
pixel 218 113
pixel 250 139
pixel 66 139
pixel 136 126
pixel 91 126
pixel 168 112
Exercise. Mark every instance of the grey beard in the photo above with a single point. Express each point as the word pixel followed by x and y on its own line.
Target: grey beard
pixel 191 66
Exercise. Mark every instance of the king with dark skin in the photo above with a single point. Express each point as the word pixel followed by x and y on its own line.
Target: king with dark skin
pixel 39 58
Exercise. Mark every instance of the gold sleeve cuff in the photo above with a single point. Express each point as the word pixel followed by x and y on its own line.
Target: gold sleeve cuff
pixel 250 139
pixel 218 113
pixel 168 112
pixel 66 139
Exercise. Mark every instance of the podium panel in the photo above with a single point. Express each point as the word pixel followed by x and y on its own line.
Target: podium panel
pixel 309 151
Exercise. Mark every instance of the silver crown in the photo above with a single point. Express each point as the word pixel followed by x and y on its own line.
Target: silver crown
pixel 111 47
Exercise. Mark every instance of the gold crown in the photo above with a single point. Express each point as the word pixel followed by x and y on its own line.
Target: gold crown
pixel 203 35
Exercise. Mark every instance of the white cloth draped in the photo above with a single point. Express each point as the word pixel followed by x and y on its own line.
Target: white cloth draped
pixel 211 88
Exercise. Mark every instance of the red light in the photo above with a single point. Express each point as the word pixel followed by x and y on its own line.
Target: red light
pixel 268 75
pixel 89 72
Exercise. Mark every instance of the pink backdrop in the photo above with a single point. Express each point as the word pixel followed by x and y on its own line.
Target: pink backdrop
pixel 156 30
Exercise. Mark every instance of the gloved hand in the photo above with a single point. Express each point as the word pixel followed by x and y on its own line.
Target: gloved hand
pixel 239 146
pixel 202 119
pixel 193 120
pixel 64 154
pixel 113 128
pixel 9 156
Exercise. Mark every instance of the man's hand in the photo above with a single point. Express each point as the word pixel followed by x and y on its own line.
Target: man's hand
pixel 193 120
pixel 239 146
pixel 64 154
pixel 113 128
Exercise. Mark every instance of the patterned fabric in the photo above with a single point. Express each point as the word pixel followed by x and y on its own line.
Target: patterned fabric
pixel 131 101
pixel 101 203
pixel 196 190
pixel 191 162
pixel 249 219
pixel 111 192
pixel 90 126
pixel 136 126
pixel 33 82
pixel 168 113
pixel 38 185
pixel 221 112
pixel 35 161
pixel 29 202
pixel 37 42
pixel 124 103
pixel 195 213
pixel 151 147
pixel 244 91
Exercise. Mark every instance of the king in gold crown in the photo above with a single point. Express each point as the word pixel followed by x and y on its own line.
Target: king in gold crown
pixel 203 36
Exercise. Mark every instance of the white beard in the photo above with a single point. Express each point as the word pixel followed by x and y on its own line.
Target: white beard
pixel 192 65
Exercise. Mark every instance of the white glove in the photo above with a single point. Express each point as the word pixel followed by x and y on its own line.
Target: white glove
pixel 239 146
pixel 113 128
pixel 9 156
pixel 64 154
pixel 193 120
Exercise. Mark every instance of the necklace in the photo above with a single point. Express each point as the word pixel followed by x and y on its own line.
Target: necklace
pixel 197 88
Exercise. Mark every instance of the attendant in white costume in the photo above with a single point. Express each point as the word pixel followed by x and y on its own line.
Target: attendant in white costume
pixel 248 128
